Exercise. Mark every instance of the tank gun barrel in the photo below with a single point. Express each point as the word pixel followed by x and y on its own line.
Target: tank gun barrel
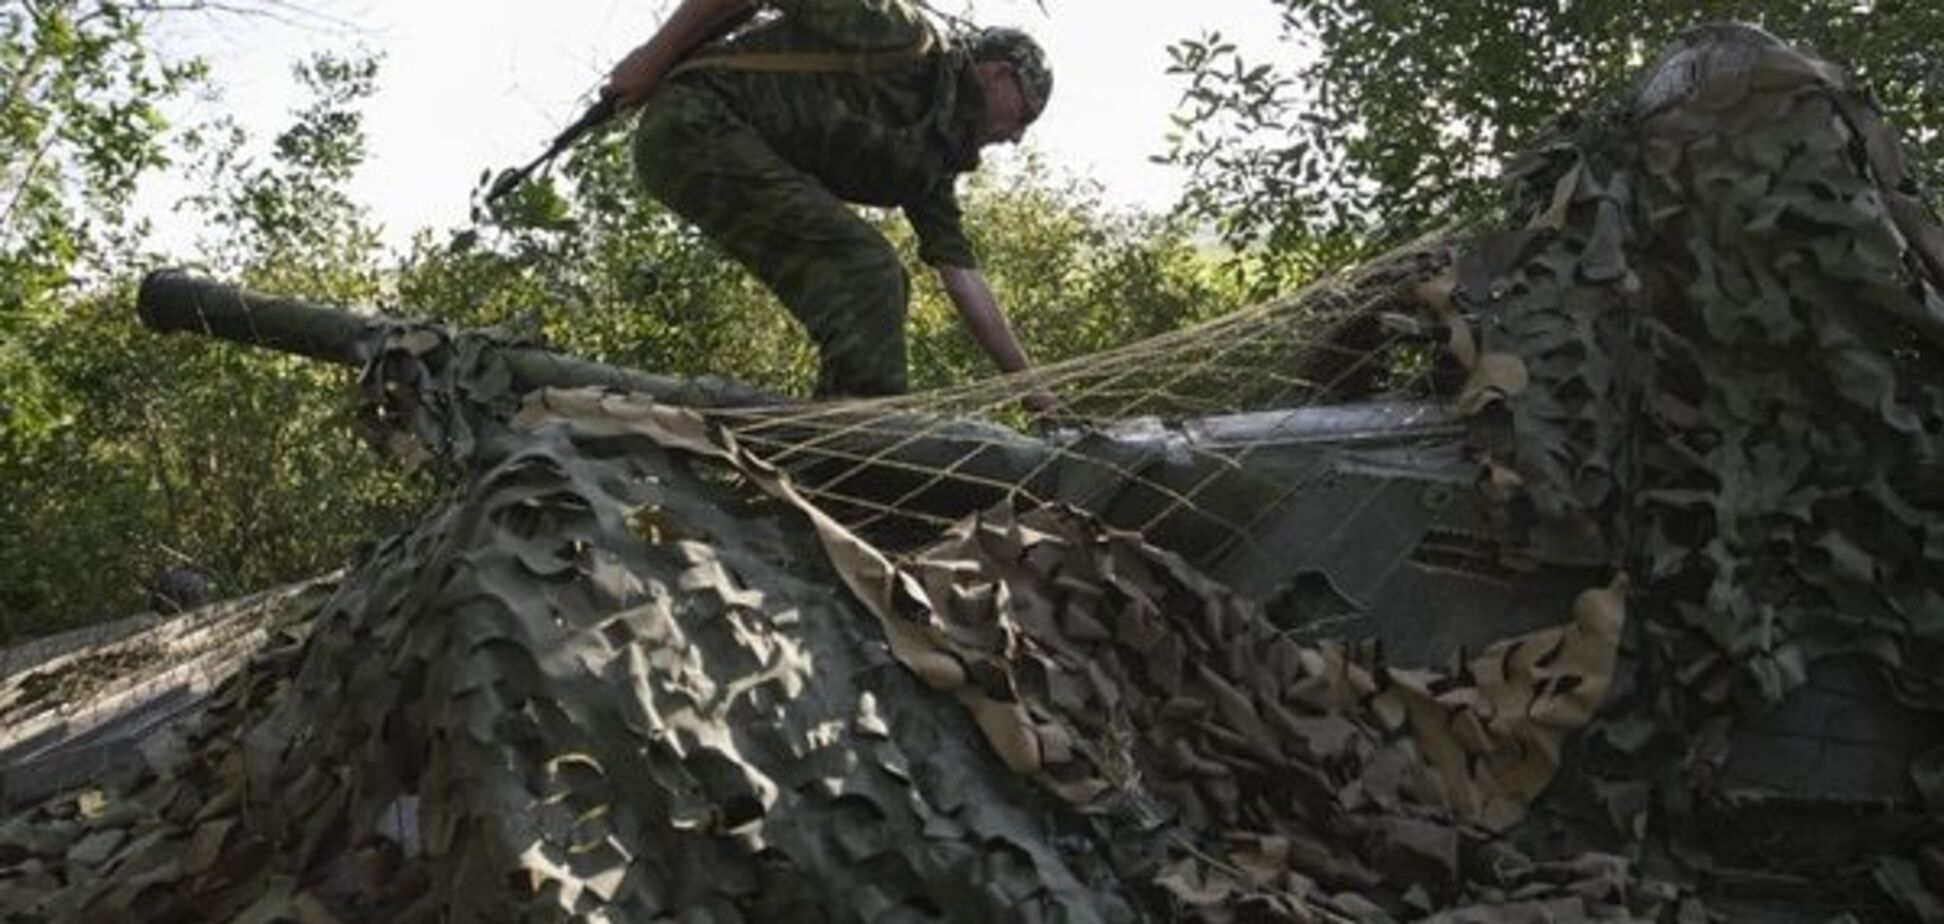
pixel 171 300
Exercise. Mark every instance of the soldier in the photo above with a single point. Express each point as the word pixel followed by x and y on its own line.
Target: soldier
pixel 758 139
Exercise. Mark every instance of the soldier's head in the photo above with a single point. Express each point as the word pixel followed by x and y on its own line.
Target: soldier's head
pixel 1012 69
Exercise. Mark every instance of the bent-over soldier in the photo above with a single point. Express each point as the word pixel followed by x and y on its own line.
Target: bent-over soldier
pixel 761 137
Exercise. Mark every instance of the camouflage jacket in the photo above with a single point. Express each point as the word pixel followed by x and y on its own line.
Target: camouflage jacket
pixel 890 136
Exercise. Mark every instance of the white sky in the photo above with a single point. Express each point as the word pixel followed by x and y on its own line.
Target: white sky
pixel 465 86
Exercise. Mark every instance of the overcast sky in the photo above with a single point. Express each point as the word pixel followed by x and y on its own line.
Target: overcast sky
pixel 465 86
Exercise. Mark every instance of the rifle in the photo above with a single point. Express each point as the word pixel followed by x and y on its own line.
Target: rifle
pixel 602 110
pixel 596 115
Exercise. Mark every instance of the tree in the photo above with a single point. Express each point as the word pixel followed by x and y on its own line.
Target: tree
pixel 1404 112
pixel 581 259
pixel 1075 275
pixel 79 127
pixel 83 84
pixel 160 452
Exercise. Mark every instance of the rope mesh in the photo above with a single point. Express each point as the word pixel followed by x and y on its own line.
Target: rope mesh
pixel 1160 435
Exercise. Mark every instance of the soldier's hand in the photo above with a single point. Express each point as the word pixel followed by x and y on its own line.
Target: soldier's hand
pixel 635 79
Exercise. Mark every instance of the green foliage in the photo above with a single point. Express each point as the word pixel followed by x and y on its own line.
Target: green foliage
pixel 286 222
pixel 1074 275
pixel 173 451
pixel 78 128
pixel 159 451
pixel 583 262
pixel 1403 112
pixel 79 86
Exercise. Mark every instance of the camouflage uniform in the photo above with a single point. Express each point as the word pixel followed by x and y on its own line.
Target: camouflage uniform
pixel 762 162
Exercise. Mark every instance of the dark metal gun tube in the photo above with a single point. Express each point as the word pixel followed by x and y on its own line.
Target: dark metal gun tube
pixel 171 300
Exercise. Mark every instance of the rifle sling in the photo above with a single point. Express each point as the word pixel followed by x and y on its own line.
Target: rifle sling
pixel 810 62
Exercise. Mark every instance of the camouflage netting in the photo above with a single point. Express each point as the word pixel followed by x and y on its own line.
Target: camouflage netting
pixel 1727 323
pixel 878 662
pixel 568 694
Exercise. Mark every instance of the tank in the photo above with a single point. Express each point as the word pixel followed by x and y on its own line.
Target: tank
pixel 1588 568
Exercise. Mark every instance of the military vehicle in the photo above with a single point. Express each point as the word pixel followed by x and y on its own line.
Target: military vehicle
pixel 1586 564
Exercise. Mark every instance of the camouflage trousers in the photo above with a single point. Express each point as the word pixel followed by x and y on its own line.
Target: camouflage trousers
pixel 835 273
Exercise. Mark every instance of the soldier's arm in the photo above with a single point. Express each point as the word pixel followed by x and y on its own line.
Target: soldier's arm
pixel 979 310
pixel 636 77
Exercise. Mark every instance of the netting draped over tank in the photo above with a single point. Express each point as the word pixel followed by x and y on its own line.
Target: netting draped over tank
pixel 1177 435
